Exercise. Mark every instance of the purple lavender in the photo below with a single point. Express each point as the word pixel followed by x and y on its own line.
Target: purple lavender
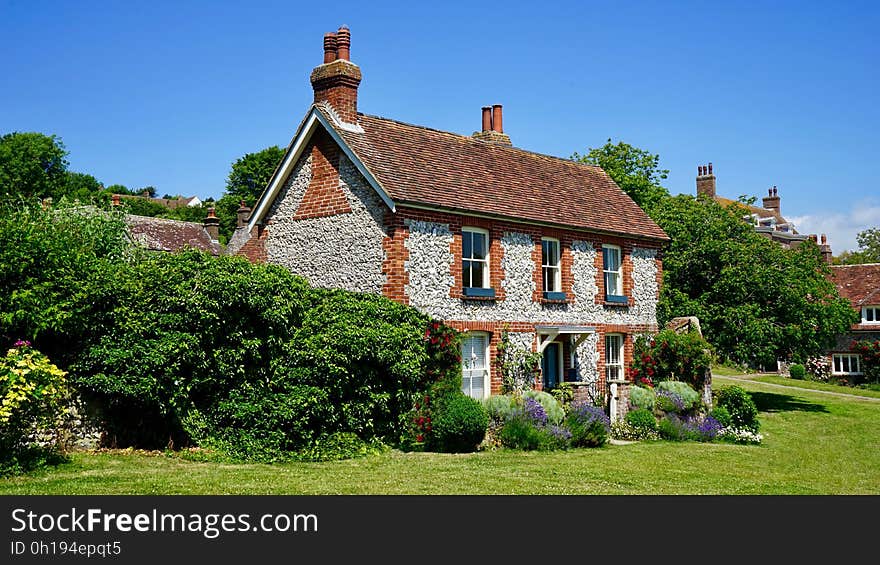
pixel 535 412
pixel 586 414
pixel 559 432
pixel 670 401
pixel 709 428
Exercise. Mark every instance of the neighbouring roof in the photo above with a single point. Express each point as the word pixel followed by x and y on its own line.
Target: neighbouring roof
pixel 421 166
pixel 170 203
pixel 757 210
pixel 860 284
pixel 162 234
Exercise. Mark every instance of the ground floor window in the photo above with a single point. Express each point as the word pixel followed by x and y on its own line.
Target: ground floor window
pixel 846 364
pixel 475 364
pixel 613 357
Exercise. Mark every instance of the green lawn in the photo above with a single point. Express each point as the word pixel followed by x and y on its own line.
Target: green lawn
pixel 814 443
pixel 815 385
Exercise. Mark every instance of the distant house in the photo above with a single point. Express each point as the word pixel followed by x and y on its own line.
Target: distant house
pixel 162 234
pixel 170 203
pixel 860 284
pixel 767 218
pixel 466 228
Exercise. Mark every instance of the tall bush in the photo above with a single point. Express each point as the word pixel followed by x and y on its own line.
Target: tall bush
pixel 671 356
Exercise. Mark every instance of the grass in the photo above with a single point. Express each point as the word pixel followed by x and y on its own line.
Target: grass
pixel 727 371
pixel 816 385
pixel 814 443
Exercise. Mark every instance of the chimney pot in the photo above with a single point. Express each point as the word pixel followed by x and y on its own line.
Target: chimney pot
pixel 343 43
pixel 243 214
pixel 487 118
pixel 496 118
pixel 329 47
pixel 710 168
pixel 114 200
pixel 824 239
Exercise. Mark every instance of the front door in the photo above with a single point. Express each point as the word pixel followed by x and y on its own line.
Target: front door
pixel 550 365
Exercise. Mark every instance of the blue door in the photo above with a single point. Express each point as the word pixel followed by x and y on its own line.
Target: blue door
pixel 550 365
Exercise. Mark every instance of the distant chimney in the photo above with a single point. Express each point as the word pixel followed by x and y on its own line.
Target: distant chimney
pixel 771 201
pixel 825 249
pixel 493 130
pixel 244 213
pixel 336 80
pixel 115 201
pixel 705 181
pixel 212 225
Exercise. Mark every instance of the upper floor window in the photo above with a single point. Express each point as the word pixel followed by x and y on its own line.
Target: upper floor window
pixel 871 314
pixel 475 258
pixel 550 268
pixel 611 261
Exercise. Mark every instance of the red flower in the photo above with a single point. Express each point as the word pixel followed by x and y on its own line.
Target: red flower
pixel 420 438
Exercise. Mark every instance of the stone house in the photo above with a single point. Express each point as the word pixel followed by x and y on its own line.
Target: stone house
pixel 860 284
pixel 466 228
pixel 767 218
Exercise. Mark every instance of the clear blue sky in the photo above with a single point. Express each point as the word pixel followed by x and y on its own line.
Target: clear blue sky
pixel 169 94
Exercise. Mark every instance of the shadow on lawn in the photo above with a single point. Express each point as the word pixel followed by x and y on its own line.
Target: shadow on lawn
pixel 775 402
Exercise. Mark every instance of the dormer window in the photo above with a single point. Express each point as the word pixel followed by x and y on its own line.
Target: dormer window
pixel 871 314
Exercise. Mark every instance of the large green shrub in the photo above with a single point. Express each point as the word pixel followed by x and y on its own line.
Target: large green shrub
pixel 33 397
pixel 459 425
pixel 742 409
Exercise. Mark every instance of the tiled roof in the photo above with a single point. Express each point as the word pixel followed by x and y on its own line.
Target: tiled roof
pixel 860 284
pixel 418 165
pixel 162 234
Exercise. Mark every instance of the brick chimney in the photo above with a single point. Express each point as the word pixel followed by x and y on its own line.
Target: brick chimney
pixel 336 80
pixel 114 200
pixel 825 249
pixel 243 213
pixel 771 201
pixel 493 130
pixel 705 180
pixel 212 225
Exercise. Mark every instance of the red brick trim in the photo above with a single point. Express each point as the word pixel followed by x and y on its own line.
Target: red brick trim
pixel 396 256
pixel 324 196
pixel 254 248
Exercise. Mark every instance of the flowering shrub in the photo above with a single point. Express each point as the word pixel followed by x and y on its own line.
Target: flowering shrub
pixel 589 425
pixel 870 352
pixel 534 411
pixel 739 435
pixel 685 398
pixel 818 368
pixel 689 428
pixel 671 402
pixel 519 367
pixel 33 395
pixel 669 356
pixel 641 418
pixel 555 412
pixel 624 430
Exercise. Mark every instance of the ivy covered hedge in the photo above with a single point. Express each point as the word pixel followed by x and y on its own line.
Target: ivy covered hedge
pixel 189 349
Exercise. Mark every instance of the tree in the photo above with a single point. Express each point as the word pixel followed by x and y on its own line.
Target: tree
pixel 251 173
pixel 82 187
pixel 635 170
pixel 247 179
pixel 757 301
pixel 868 252
pixel 32 165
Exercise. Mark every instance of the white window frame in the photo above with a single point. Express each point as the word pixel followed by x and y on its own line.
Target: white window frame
pixel 872 311
pixel 618 289
pixel 837 362
pixel 466 366
pixel 549 269
pixel 618 364
pixel 485 261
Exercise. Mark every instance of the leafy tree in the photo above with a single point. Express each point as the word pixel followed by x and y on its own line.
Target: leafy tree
pixel 635 170
pixel 868 252
pixel 251 173
pixel 247 179
pixel 82 187
pixel 756 301
pixel 32 165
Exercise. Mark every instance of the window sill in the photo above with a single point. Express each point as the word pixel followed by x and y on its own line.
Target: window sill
pixel 621 301
pixel 473 293
pixel 553 297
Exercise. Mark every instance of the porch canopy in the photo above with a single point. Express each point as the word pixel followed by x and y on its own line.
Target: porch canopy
pixel 546 334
